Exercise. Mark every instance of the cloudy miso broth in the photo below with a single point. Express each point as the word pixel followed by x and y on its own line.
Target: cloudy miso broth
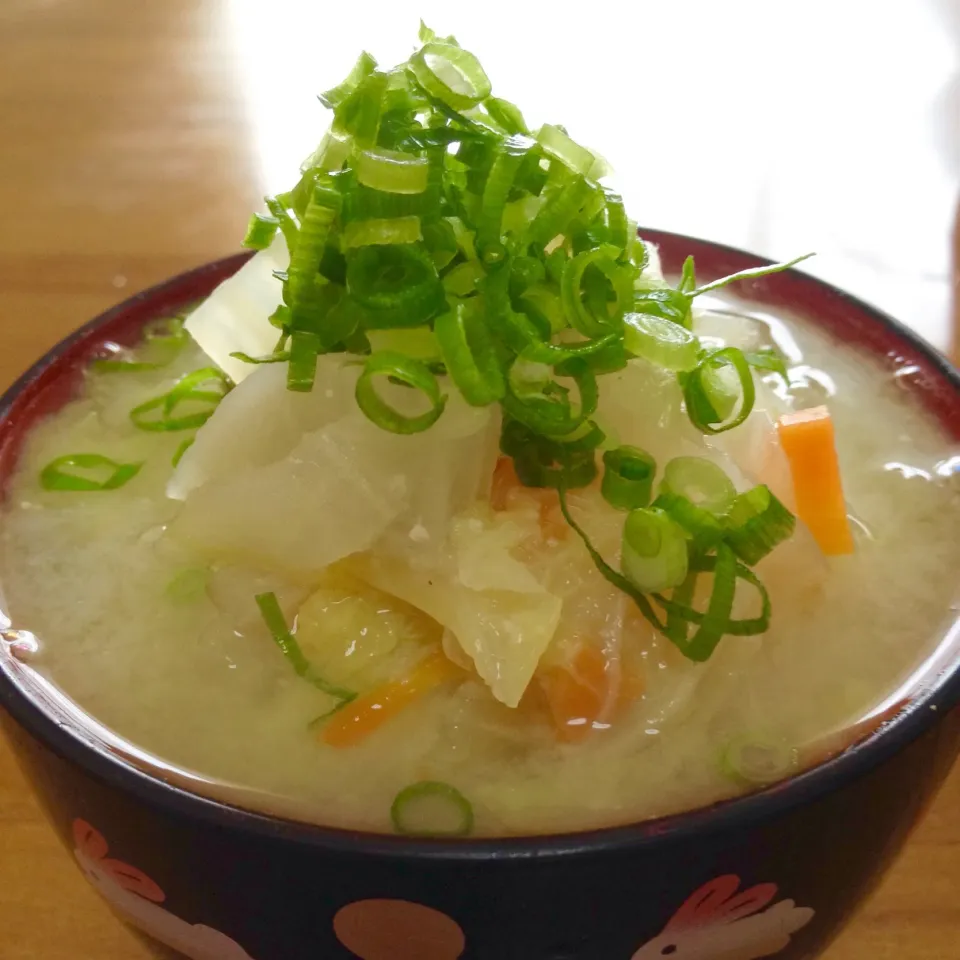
pixel 143 598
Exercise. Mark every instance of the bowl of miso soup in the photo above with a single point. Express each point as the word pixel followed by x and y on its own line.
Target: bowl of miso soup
pixel 460 572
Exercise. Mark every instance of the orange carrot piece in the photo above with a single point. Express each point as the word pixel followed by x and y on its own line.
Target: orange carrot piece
pixel 505 480
pixel 807 439
pixel 506 487
pixel 577 695
pixel 360 718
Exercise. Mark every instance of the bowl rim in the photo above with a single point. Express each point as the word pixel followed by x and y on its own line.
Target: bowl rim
pixel 737 813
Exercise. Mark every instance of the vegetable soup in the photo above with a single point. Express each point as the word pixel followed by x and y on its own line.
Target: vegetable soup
pixel 450 515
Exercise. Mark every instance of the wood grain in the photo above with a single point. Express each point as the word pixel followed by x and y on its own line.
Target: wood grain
pixel 126 157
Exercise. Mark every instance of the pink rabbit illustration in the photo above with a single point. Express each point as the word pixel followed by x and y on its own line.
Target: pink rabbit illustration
pixel 136 898
pixel 718 923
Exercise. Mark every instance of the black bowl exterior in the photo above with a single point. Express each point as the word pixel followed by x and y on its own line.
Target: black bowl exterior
pixel 784 883
pixel 770 875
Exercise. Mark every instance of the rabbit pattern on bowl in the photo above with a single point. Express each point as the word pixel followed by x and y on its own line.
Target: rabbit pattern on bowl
pixel 718 923
pixel 136 898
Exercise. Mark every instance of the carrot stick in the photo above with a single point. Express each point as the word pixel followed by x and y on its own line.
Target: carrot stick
pixel 578 695
pixel 361 717
pixel 807 439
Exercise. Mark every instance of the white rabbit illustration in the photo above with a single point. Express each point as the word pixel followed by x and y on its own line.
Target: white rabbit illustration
pixel 717 923
pixel 136 898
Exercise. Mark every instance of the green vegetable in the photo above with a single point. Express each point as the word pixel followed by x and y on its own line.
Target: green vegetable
pixel 406 370
pixel 191 392
pixel 450 74
pixel 709 405
pixel 628 474
pixel 430 233
pixel 164 340
pixel 469 355
pixel 85 471
pixel 661 341
pixel 181 450
pixel 392 171
pixel 654 550
pixel 432 808
pixel 755 761
pixel 701 481
pixel 273 617
pixel 753 273
pixel 756 522
pixel 261 231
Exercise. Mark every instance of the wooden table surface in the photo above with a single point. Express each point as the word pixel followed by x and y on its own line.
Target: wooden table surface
pixel 125 157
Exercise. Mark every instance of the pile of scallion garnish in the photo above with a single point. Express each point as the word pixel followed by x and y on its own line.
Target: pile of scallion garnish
pixel 504 269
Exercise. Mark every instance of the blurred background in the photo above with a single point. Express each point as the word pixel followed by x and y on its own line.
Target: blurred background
pixel 137 136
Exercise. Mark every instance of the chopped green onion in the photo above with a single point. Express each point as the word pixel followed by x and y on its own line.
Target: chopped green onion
pixel 554 216
pixel 365 233
pixel 288 226
pixel 417 342
pixel 654 550
pixel 281 356
pixel 688 277
pixel 432 235
pixel 499 182
pixel 661 341
pixel 752 761
pixel 748 627
pixel 181 450
pixel 462 280
pixel 156 414
pixel 769 360
pixel 716 621
pixel 261 231
pixel 392 171
pixel 411 372
pixel 277 625
pixel 612 576
pixel 704 527
pixel 550 412
pixel 469 355
pixel 699 480
pixel 664 302
pixel 334 151
pixel 304 348
pixel 432 809
pixel 397 286
pixel 165 339
pixel 450 74
pixel 364 66
pixel 752 274
pixel 556 142
pixel 507 115
pixel 361 112
pixel 628 477
pixel 702 396
pixel 756 523
pixel 112 365
pixel 620 276
pixel 64 473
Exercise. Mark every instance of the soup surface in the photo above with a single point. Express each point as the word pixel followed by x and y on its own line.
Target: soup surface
pixel 472 616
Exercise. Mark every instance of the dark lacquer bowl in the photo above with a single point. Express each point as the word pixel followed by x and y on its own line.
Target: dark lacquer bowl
pixel 772 874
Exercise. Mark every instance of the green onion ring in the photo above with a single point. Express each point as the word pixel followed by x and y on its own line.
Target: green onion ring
pixel 435 789
pixel 451 74
pixel 628 477
pixel 414 374
pixel 699 408
pixel 54 477
pixel 469 355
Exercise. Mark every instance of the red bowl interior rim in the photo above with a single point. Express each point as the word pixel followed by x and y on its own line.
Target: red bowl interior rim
pixel 54 379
